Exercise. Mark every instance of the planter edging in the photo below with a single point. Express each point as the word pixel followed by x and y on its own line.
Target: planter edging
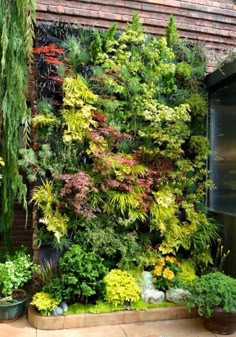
pixel 120 317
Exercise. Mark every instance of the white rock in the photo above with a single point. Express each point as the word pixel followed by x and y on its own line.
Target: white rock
pixel 147 280
pixel 57 311
pixel 177 295
pixel 153 296
pixel 64 306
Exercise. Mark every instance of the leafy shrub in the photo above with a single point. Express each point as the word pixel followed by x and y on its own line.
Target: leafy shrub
pixel 121 286
pixel 186 275
pixel 199 145
pixel 213 290
pixel 184 70
pixel 81 273
pixel 198 105
pixel 15 272
pixel 44 303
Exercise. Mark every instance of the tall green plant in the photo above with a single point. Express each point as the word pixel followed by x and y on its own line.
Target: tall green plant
pixel 16 34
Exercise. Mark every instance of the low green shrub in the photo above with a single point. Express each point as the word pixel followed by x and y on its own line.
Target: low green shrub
pixel 213 290
pixel 184 70
pixel 15 272
pixel 81 275
pixel 186 275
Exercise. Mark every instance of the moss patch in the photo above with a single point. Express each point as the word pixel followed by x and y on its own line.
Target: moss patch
pixel 104 307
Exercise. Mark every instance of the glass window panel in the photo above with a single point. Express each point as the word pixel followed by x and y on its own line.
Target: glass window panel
pixel 223 144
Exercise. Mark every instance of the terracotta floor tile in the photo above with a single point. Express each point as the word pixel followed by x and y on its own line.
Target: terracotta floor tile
pixel 19 328
pixel 176 328
pixel 143 329
pixel 100 331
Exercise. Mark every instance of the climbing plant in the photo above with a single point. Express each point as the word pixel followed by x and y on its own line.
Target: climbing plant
pixel 16 34
pixel 127 168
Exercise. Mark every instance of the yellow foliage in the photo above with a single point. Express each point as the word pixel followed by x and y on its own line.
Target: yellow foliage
pixel 77 93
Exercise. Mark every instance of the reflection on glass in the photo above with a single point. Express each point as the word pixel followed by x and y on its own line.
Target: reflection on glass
pixel 223 145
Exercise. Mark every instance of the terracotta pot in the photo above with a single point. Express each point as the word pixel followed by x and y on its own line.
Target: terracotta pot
pixel 221 322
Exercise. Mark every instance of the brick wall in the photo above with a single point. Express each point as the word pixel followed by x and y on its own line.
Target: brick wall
pixel 22 233
pixel 212 22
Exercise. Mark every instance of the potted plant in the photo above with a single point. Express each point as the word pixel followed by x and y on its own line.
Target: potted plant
pixel 214 295
pixel 14 273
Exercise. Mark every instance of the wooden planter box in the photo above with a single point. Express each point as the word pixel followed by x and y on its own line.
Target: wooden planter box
pixel 119 317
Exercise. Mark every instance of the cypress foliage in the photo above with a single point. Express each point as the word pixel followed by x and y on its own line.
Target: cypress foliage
pixel 16 40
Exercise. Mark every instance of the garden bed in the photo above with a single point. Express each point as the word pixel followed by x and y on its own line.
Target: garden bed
pixel 120 317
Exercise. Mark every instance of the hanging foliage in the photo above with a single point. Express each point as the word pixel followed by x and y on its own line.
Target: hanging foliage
pixel 16 41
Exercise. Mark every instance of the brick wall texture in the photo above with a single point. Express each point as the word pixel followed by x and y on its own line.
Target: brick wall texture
pixel 212 22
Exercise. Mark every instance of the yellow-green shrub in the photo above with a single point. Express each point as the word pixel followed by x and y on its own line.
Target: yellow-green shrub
pixel 44 303
pixel 121 286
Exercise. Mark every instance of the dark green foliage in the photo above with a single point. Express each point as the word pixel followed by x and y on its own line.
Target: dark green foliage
pixel 184 70
pixel 81 273
pixel 106 237
pixel 16 34
pixel 198 105
pixel 213 290
pixel 55 288
pixel 79 276
pixel 199 145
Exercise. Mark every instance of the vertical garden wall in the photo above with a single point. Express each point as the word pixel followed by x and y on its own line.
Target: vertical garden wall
pixel 121 166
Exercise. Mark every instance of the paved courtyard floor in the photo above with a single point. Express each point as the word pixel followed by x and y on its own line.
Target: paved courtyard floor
pixel 174 328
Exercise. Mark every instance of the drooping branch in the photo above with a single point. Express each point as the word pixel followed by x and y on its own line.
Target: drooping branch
pixel 16 33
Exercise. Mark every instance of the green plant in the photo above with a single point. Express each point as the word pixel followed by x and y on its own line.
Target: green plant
pixel 45 273
pixel 105 307
pixel 184 70
pixel 219 257
pixel 198 105
pixel 213 290
pixel 16 35
pixel 172 35
pixel 56 288
pixel 165 271
pixel 186 276
pixel 81 273
pixel 44 303
pixel 121 287
pixel 45 198
pixel 14 273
